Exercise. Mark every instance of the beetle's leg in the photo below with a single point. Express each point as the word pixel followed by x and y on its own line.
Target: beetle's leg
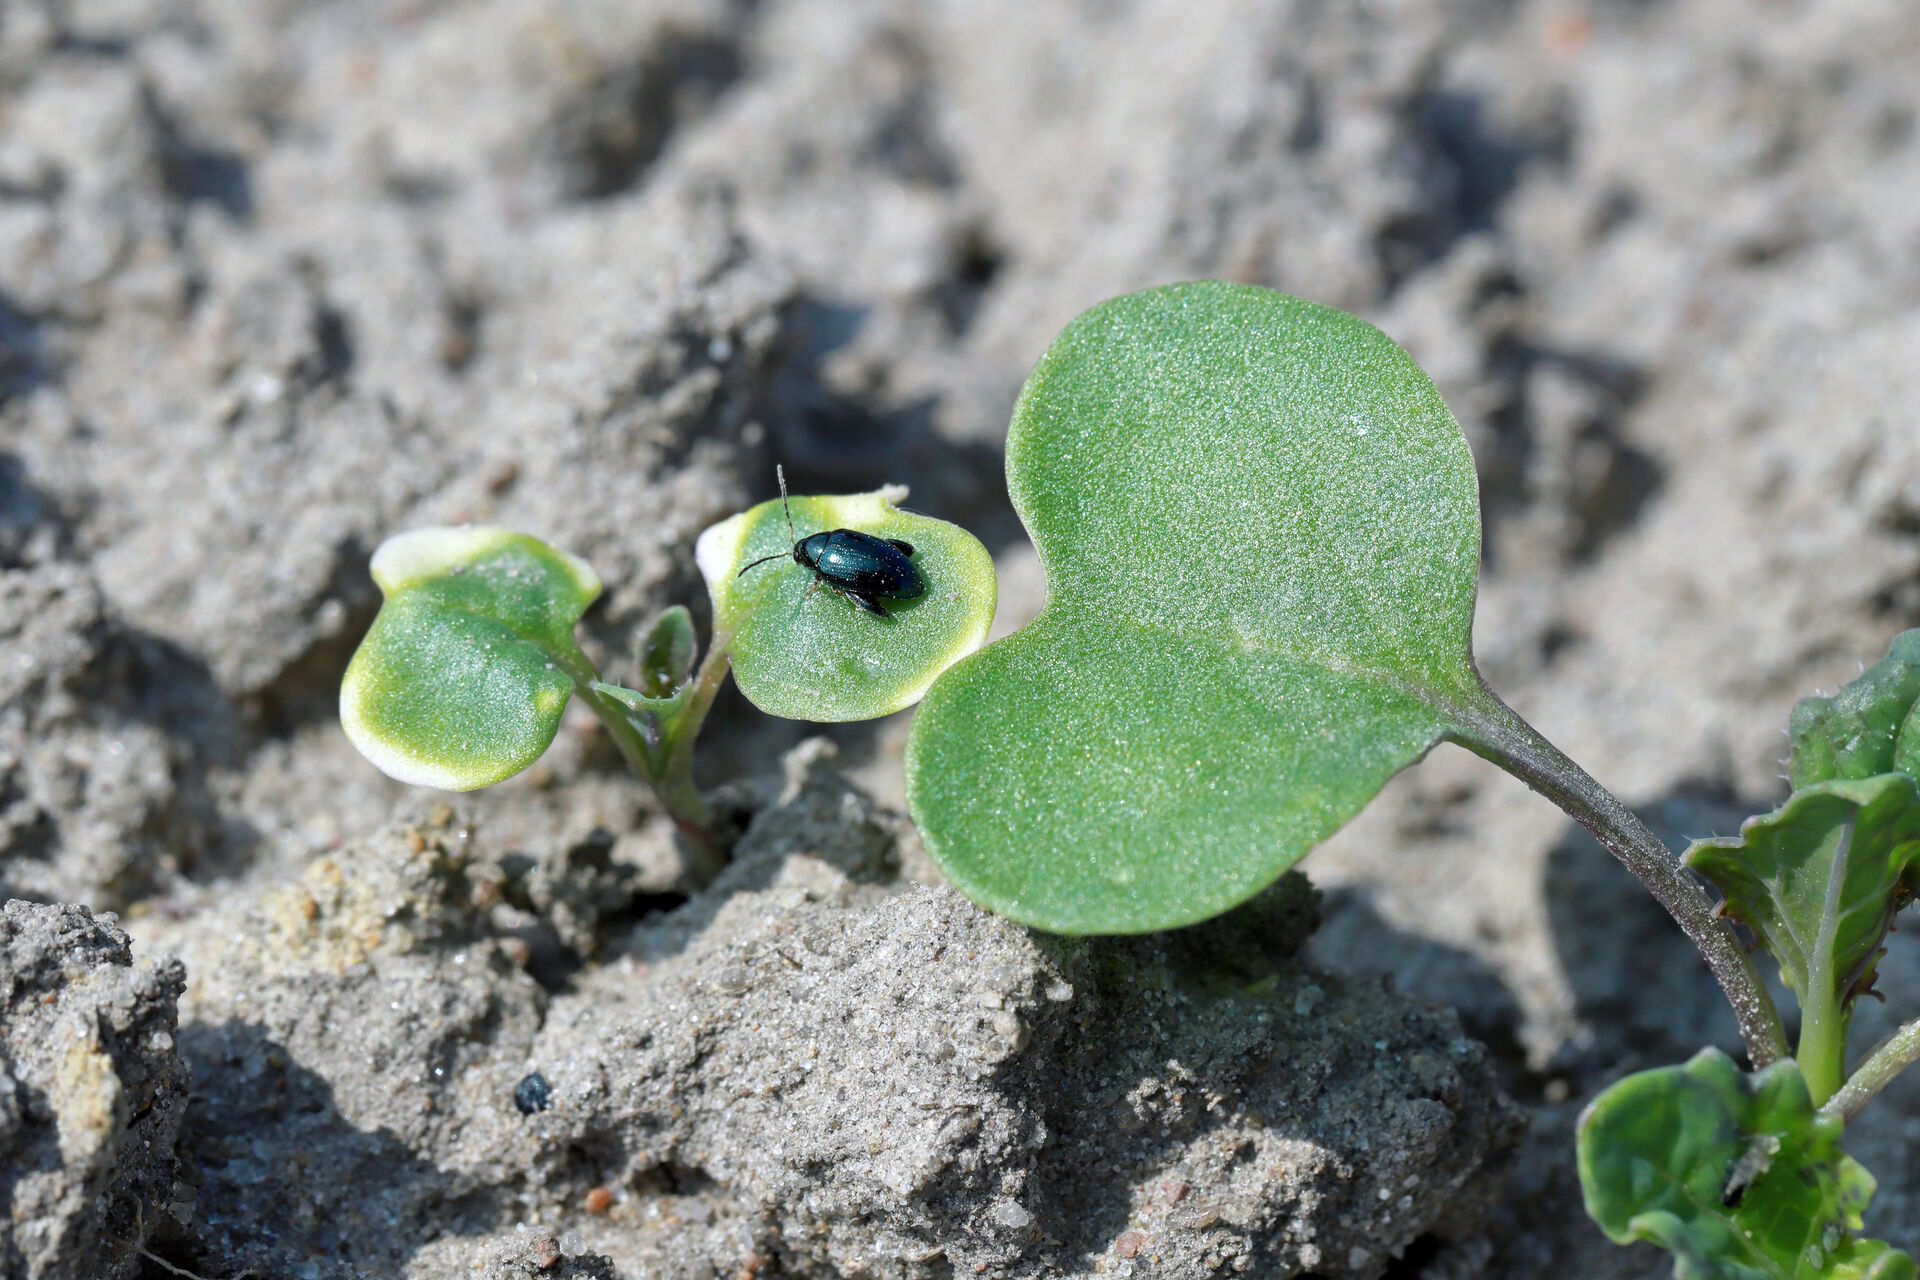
pixel 812 587
pixel 859 599
pixel 866 603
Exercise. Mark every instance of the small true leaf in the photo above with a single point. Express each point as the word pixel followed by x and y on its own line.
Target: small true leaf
pixel 652 718
pixel 667 650
pixel 461 680
pixel 1736 1175
pixel 1819 879
pixel 1261 529
pixel 1906 744
pixel 802 652
pixel 1811 761
pixel 1858 733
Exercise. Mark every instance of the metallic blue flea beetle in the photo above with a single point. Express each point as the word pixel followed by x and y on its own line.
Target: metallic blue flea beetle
pixel 863 568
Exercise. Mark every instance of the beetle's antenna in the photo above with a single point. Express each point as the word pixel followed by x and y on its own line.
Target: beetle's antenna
pixel 778 555
pixel 780 472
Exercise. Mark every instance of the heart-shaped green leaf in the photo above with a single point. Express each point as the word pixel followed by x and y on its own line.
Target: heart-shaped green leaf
pixel 1868 728
pixel 800 650
pixel 1261 528
pixel 461 680
pixel 1819 880
pixel 1736 1175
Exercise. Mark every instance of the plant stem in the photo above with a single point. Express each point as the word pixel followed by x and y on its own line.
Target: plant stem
pixel 1490 728
pixel 1822 1050
pixel 705 685
pixel 1892 1056
pixel 675 788
pixel 675 785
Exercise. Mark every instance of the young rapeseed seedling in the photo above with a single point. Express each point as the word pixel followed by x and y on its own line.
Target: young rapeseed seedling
pixel 1261 530
pixel 462 679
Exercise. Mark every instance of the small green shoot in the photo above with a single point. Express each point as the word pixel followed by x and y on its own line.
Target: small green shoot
pixel 462 679
pixel 1736 1175
pixel 1819 880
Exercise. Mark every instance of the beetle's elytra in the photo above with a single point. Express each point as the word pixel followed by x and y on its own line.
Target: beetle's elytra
pixel 859 566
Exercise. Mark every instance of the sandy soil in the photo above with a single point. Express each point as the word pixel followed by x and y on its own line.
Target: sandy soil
pixel 278 279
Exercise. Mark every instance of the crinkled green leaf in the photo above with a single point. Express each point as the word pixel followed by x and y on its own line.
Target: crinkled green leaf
pixel 1261 529
pixel 1736 1175
pixel 1819 879
pixel 462 678
pixel 1859 732
pixel 805 653
pixel 1906 744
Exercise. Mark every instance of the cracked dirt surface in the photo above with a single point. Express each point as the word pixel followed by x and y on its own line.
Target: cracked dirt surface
pixel 280 278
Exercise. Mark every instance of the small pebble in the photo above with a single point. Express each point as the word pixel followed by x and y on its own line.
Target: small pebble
pixel 1129 1244
pixel 599 1200
pixel 532 1093
pixel 499 477
pixel 546 1252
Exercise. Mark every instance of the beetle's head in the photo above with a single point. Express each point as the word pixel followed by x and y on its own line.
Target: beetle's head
pixel 806 552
